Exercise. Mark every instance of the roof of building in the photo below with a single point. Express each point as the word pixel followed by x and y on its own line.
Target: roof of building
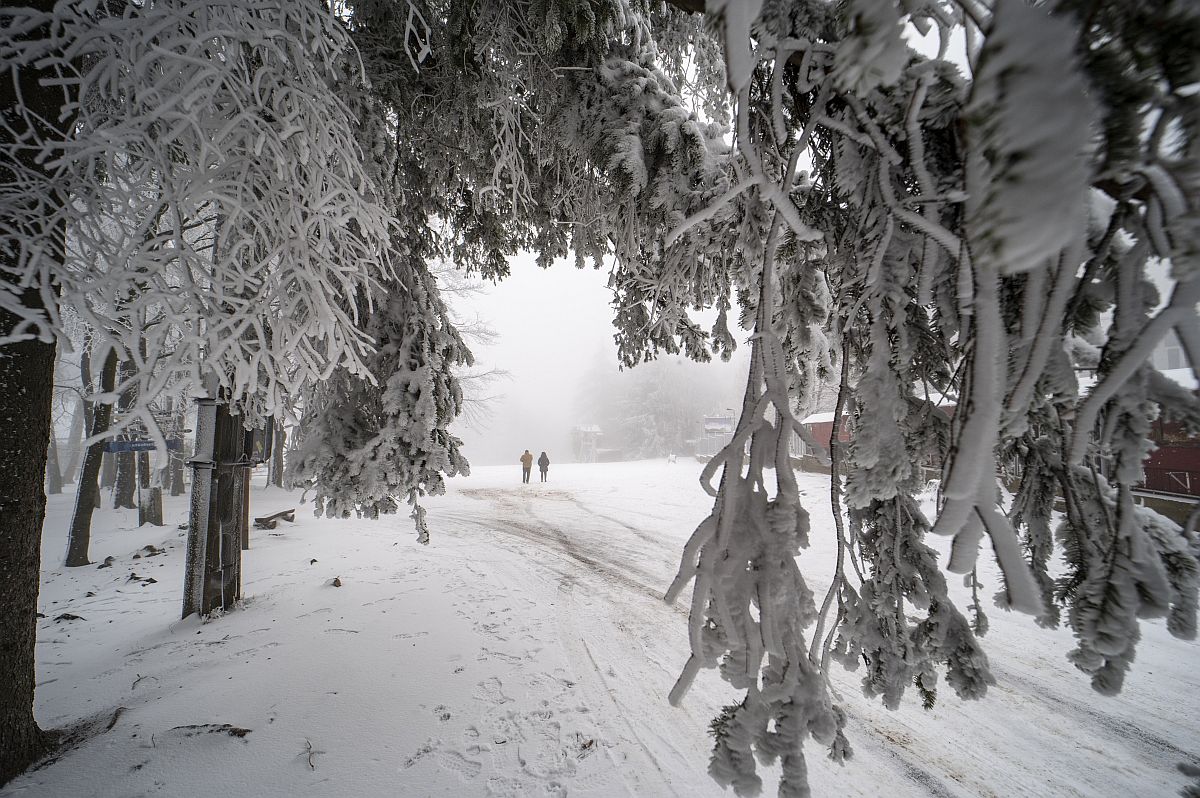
pixel 1185 377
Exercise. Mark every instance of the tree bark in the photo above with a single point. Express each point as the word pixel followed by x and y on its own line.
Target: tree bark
pixel 86 499
pixel 178 488
pixel 54 480
pixel 79 422
pixel 27 377
pixel 108 471
pixel 278 444
pixel 143 470
pixel 26 370
pixel 126 481
pixel 126 461
pixel 85 376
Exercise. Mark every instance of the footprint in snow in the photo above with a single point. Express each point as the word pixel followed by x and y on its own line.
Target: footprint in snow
pixel 486 653
pixel 457 763
pixel 451 760
pixel 491 690
pixel 425 750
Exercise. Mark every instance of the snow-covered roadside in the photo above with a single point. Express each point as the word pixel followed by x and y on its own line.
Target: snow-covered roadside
pixel 526 651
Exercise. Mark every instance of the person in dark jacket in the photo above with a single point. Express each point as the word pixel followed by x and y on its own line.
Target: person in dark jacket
pixel 544 465
pixel 526 464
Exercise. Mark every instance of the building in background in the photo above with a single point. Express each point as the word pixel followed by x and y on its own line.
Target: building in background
pixel 715 432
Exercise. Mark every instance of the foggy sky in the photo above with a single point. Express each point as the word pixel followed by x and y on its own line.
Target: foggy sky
pixel 553 326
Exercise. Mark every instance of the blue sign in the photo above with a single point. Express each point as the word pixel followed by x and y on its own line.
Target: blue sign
pixel 173 444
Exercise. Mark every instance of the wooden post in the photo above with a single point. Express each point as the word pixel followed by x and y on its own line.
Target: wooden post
pixel 202 476
pixel 246 508
pixel 213 571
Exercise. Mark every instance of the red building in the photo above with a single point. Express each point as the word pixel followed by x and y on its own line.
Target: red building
pixel 1173 468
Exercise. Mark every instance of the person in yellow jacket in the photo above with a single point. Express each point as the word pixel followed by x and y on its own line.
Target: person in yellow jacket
pixel 526 464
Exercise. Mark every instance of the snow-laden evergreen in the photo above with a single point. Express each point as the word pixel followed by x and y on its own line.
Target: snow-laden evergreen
pixel 367 444
pixel 974 236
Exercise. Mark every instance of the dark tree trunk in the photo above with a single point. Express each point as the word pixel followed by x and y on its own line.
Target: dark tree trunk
pixel 27 378
pixel 87 497
pixel 26 371
pixel 173 472
pixel 54 481
pixel 85 375
pixel 108 471
pixel 126 481
pixel 143 470
pixel 212 577
pixel 279 442
pixel 178 488
pixel 126 461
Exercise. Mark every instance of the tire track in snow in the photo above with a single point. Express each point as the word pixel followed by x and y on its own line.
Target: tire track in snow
pixel 1163 753
pixel 869 738
pixel 901 764
pixel 600 693
pixel 553 540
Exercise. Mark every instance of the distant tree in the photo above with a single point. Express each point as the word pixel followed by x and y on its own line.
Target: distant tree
pixel 479 384
pixel 655 409
pixel 87 494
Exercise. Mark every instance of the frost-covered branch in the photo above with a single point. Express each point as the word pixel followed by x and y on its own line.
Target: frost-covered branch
pixel 194 124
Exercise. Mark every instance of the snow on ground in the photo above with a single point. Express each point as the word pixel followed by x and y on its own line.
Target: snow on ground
pixel 526 651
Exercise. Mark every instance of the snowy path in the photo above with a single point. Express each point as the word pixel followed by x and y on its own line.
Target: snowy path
pixel 1041 731
pixel 527 651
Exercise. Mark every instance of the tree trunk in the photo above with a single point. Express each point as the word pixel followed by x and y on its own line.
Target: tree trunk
pixel 85 375
pixel 280 442
pixel 79 423
pixel 27 377
pixel 86 499
pixel 173 472
pixel 126 461
pixel 212 577
pixel 54 481
pixel 126 481
pixel 26 372
pixel 143 470
pixel 178 488
pixel 108 472
pixel 150 508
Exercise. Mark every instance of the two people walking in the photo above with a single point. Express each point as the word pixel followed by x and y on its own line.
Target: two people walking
pixel 527 465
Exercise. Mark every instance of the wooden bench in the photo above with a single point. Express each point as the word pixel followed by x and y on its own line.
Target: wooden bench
pixel 271 521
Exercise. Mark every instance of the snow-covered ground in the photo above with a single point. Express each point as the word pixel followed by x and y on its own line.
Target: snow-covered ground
pixel 526 651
